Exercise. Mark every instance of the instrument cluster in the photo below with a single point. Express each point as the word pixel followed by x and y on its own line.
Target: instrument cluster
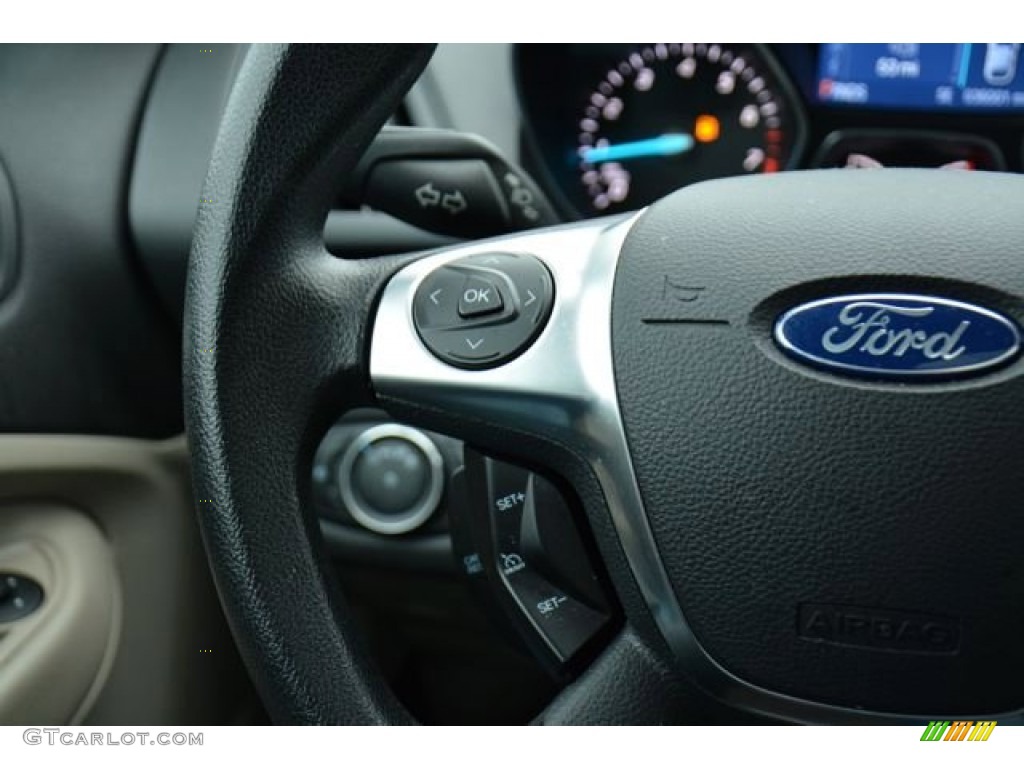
pixel 614 127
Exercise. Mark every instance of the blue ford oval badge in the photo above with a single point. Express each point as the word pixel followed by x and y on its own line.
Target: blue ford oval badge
pixel 897 336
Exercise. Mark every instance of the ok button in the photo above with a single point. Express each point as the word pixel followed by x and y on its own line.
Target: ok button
pixel 479 296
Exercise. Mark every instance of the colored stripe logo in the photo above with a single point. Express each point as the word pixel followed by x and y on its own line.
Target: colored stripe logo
pixel 959 730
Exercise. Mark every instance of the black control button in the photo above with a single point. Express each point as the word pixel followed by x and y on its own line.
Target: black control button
pixel 19 596
pixel 473 345
pixel 480 344
pixel 530 279
pixel 469 559
pixel 480 296
pixel 391 475
pixel 565 622
pixel 509 494
pixel 391 478
pixel 454 197
pixel 518 542
pixel 527 206
pixel 437 301
pixel 500 305
pixel 549 540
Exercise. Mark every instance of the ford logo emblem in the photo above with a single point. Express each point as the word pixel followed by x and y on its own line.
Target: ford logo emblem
pixel 897 336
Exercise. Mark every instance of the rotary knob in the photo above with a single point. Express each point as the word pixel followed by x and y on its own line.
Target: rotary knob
pixel 391 478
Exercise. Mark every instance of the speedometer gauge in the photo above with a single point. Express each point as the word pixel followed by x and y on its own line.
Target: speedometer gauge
pixel 671 114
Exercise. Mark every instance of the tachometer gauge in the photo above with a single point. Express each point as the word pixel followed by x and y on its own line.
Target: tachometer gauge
pixel 670 114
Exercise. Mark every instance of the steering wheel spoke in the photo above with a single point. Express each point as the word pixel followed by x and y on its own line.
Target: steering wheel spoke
pixel 559 386
pixel 550 406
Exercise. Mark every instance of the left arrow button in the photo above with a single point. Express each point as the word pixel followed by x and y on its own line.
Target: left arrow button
pixel 437 302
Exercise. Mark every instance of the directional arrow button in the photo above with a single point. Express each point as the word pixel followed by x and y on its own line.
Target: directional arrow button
pixel 462 198
pixel 454 202
pixel 437 301
pixel 473 346
pixel 483 310
pixel 427 195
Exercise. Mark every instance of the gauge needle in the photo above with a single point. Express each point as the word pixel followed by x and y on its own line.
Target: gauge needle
pixel 660 146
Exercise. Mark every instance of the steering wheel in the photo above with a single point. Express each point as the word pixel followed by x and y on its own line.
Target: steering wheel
pixel 790 407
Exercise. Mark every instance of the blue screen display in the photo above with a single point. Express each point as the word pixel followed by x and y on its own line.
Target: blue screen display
pixel 956 76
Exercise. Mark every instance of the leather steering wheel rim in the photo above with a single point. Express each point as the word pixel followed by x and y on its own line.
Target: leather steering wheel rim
pixel 298 118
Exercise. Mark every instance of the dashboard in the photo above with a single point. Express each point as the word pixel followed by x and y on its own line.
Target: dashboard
pixel 614 127
pixel 611 127
pixel 617 127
